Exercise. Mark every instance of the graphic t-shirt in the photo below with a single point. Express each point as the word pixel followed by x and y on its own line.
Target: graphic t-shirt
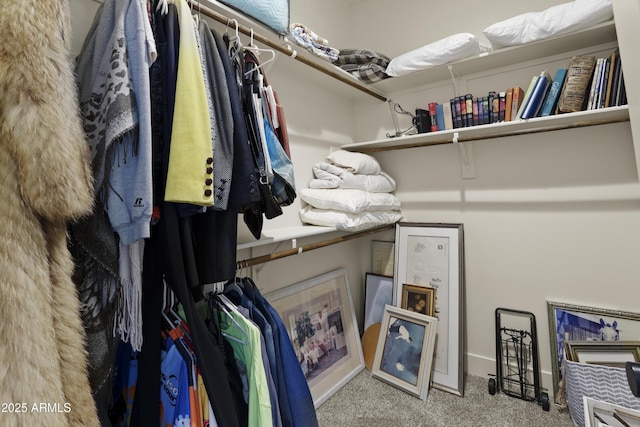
pixel 174 389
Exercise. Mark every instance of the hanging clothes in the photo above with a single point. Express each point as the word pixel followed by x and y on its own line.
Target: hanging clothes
pixel 290 381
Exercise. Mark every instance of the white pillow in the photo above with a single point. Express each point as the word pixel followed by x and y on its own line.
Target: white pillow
pixel 448 49
pixel 556 20
pixel 349 200
pixel 347 221
pixel 355 162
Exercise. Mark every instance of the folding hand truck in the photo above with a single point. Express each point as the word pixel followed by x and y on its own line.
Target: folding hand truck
pixel 517 366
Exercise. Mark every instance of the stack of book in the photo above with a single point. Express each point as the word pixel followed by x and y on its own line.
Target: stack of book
pixel 587 83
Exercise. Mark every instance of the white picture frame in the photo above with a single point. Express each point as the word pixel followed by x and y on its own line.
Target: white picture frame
pixel 324 300
pixel 432 255
pixel 404 354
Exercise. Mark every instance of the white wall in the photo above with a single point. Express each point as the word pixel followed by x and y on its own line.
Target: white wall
pixel 549 216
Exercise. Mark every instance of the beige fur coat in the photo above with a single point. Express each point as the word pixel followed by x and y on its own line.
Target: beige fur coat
pixel 45 181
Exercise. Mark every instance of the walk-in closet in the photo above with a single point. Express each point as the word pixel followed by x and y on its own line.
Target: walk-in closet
pixel 245 213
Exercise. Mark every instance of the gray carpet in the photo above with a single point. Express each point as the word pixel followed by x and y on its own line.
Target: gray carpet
pixel 368 402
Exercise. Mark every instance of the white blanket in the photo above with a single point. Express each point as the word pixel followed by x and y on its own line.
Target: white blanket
pixel 349 200
pixel 328 175
pixel 355 162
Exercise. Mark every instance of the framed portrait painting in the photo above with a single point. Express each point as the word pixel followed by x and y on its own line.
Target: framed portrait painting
pixel 320 320
pixel 420 299
pixel 431 255
pixel 404 354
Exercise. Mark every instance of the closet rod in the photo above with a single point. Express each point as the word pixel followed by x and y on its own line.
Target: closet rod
pixel 311 246
pixel 284 49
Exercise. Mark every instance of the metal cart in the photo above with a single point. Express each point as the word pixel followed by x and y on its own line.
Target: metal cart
pixel 517 365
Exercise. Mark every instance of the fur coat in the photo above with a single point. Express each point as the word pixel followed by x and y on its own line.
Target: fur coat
pixel 45 181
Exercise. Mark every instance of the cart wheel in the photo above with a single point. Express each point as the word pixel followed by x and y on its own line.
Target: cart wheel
pixel 492 386
pixel 544 401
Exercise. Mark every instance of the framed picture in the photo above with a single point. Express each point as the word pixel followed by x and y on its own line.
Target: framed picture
pixel 610 353
pixel 405 350
pixel 598 413
pixel 378 292
pixel 382 254
pixel 432 255
pixel 319 317
pixel 569 322
pixel 420 299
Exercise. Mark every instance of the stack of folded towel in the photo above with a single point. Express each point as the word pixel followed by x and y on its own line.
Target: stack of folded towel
pixel 350 192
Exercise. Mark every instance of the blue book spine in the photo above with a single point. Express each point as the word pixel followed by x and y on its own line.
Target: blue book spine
pixel 440 116
pixel 537 96
pixel 553 95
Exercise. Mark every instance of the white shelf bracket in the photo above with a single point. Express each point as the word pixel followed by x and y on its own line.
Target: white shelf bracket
pixel 467 162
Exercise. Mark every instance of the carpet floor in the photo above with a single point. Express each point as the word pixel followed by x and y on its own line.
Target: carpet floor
pixel 368 402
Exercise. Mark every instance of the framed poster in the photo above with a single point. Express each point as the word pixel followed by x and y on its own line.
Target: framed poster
pixel 570 322
pixel 382 257
pixel 432 255
pixel 378 292
pixel 319 316
pixel 404 354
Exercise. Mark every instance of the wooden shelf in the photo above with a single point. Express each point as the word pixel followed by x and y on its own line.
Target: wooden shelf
pixel 600 34
pixel 497 130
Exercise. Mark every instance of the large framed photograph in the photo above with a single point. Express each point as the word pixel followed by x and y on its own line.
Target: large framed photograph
pixel 432 255
pixel 319 316
pixel 404 354
pixel 570 322
pixel 378 292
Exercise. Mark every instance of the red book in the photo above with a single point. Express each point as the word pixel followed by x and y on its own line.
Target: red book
pixel 433 116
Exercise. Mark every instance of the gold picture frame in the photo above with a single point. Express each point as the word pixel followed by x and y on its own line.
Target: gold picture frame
pixel 608 353
pixel 420 299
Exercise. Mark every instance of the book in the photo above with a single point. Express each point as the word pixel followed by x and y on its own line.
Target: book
pixel 612 70
pixel 593 87
pixel 463 111
pixel 481 111
pixel 516 101
pixel 502 105
pixel 469 101
pixel 507 105
pixel 448 116
pixel 495 108
pixel 476 111
pixel 433 119
pixel 551 100
pixel 576 86
pixel 604 81
pixel 485 110
pixel 616 82
pixel 440 116
pixel 527 95
pixel 622 92
pixel 489 109
pixel 538 94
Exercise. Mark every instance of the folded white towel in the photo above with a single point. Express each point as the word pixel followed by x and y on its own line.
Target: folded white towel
pixel 331 176
pixel 355 162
